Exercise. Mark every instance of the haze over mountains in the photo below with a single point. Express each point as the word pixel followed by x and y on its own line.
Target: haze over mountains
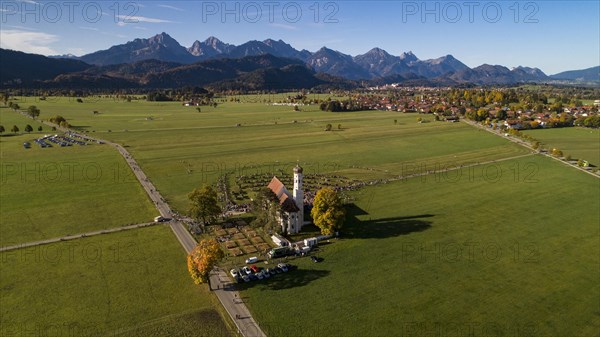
pixel 160 61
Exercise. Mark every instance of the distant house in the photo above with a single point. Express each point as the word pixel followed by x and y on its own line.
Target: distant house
pixel 513 124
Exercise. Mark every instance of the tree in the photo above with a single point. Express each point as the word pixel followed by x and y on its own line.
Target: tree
pixel 14 129
pixel 40 128
pixel 265 207
pixel 28 128
pixel 57 119
pixel 556 152
pixel 33 111
pixel 328 212
pixel 202 259
pixel 2 128
pixel 339 126
pixel 328 127
pixel 15 107
pixel 204 205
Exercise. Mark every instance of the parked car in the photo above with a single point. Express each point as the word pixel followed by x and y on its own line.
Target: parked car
pixel 265 273
pixel 234 273
pixel 271 271
pixel 254 268
pixel 259 275
pixel 247 270
pixel 283 267
pixel 253 259
pixel 245 278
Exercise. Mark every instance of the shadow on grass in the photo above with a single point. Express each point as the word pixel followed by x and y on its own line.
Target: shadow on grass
pixel 384 227
pixel 292 279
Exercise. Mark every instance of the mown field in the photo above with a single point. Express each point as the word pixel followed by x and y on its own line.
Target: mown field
pixel 131 283
pixel 508 247
pixel 479 254
pixel 58 191
pixel 580 143
pixel 181 148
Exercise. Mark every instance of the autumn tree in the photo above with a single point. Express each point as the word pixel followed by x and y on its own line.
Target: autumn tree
pixel 202 259
pixel 204 206
pixel 328 212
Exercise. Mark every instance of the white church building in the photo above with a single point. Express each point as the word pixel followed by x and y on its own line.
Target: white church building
pixel 291 213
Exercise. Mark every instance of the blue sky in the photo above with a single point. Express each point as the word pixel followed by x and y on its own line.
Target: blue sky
pixel 552 35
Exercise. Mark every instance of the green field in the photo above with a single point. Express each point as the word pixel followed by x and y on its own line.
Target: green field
pixel 56 191
pixel 526 226
pixel 131 283
pixel 580 143
pixel 503 256
pixel 181 148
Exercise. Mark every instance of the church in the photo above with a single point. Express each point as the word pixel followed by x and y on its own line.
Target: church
pixel 291 212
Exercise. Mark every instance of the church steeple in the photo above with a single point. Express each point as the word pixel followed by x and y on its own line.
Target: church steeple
pixel 299 196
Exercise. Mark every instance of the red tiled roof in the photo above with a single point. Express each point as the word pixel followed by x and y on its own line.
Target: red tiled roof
pixel 286 200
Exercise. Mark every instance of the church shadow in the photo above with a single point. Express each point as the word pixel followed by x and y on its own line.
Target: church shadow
pixel 294 278
pixel 383 227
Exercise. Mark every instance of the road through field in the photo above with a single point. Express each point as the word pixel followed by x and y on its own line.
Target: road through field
pixel 219 281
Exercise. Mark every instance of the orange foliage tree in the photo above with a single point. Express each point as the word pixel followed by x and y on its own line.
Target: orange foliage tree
pixel 203 258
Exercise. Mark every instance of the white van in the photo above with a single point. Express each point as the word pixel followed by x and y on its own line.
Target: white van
pixel 253 259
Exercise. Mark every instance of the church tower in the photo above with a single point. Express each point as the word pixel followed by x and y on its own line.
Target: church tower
pixel 299 197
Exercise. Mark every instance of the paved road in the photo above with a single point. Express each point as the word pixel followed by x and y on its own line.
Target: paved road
pixel 220 282
pixel 224 288
pixel 527 145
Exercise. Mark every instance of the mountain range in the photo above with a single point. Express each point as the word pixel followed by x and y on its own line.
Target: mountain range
pixel 160 61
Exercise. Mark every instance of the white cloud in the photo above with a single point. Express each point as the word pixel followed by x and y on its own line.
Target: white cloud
pixel 20 27
pixel 135 19
pixel 89 28
pixel 283 26
pixel 30 42
pixel 171 7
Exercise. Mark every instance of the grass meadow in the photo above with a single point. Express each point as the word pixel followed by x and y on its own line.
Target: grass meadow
pixel 56 191
pixel 509 255
pixel 508 248
pixel 131 283
pixel 181 148
pixel 580 143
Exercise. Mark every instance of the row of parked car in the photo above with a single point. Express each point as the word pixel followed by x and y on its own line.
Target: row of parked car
pixel 247 274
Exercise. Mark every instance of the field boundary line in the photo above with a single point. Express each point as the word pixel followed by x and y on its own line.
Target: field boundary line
pixel 525 144
pixel 75 236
